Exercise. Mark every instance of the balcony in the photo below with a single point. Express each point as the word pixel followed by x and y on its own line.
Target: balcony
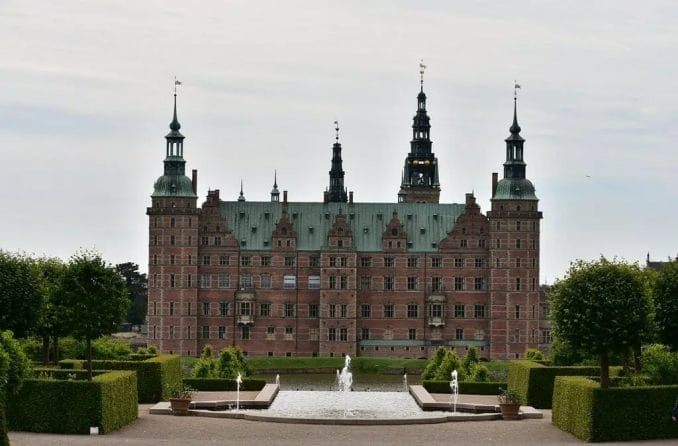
pixel 436 321
pixel 245 319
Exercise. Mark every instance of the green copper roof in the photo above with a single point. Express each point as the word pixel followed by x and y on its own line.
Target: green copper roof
pixel 515 189
pixel 426 223
pixel 173 186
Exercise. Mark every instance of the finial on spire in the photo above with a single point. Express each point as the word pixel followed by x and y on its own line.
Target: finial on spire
pixel 174 125
pixel 515 128
pixel 422 67
pixel 275 178
pixel 336 129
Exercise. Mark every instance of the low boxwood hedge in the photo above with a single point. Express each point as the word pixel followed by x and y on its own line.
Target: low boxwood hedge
pixel 590 413
pixel 534 381
pixel 155 376
pixel 72 374
pixel 216 384
pixel 467 387
pixel 109 401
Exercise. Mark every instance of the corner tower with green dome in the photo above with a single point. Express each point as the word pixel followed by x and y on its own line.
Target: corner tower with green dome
pixel 173 251
pixel 514 254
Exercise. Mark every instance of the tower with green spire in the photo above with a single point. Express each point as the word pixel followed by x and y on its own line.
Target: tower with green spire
pixel 420 182
pixel 173 251
pixel 514 254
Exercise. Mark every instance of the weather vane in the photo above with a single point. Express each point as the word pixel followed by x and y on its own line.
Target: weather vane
pixel 336 128
pixel 516 86
pixel 422 67
pixel 176 82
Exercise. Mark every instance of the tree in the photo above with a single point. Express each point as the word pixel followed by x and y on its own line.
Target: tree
pixel 50 323
pixel 95 299
pixel 20 294
pixel 600 308
pixel 14 368
pixel 665 296
pixel 137 285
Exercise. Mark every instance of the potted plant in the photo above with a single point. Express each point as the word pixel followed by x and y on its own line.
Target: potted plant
pixel 509 403
pixel 180 399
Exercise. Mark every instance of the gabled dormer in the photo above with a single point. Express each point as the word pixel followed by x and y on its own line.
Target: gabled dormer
pixel 470 231
pixel 395 236
pixel 340 235
pixel 284 236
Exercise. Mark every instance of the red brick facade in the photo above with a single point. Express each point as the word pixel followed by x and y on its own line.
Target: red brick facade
pixel 334 278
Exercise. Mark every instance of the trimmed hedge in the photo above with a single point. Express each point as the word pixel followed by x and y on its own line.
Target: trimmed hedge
pixel 590 413
pixel 155 376
pixel 109 401
pixel 140 356
pixel 465 387
pixel 534 381
pixel 64 374
pixel 218 384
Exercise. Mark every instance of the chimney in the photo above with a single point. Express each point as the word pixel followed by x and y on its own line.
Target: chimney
pixel 285 197
pixel 495 179
pixel 194 181
pixel 350 197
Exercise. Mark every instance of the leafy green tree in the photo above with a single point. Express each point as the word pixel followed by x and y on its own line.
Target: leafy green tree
pixel 433 364
pixel 665 297
pixel 533 354
pixel 20 294
pixel 601 308
pixel 50 324
pixel 14 368
pixel 137 285
pixel 449 363
pixel 231 361
pixel 95 297
pixel 470 360
pixel 479 373
pixel 660 365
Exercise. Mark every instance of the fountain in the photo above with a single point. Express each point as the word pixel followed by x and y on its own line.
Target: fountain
pixel 454 386
pixel 405 382
pixel 238 381
pixel 345 378
pixel 277 379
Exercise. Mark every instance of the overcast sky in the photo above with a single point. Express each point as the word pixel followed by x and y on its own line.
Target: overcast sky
pixel 87 95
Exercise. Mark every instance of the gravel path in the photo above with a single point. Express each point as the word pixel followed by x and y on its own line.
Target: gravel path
pixel 189 431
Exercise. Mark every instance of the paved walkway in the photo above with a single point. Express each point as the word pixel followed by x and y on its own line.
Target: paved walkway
pixel 189 431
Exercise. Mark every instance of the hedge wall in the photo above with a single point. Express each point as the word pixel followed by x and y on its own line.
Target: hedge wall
pixel 217 384
pixel 155 376
pixel 590 413
pixel 465 387
pixel 73 406
pixel 534 381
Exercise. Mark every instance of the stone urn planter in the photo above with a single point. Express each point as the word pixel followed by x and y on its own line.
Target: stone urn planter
pixel 509 404
pixel 510 411
pixel 180 400
pixel 180 405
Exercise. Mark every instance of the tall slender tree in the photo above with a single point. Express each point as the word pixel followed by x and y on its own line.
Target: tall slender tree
pixel 137 285
pixel 95 298
pixel 665 297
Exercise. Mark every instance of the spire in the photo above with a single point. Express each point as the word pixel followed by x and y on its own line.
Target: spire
pixel 421 165
pixel 174 181
pixel 241 197
pixel 336 192
pixel 514 185
pixel 275 193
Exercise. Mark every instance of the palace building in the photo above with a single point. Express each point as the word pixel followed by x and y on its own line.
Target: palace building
pixel 337 277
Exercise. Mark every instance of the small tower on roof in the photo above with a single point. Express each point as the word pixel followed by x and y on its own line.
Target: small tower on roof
pixel 241 197
pixel 275 193
pixel 336 193
pixel 420 183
